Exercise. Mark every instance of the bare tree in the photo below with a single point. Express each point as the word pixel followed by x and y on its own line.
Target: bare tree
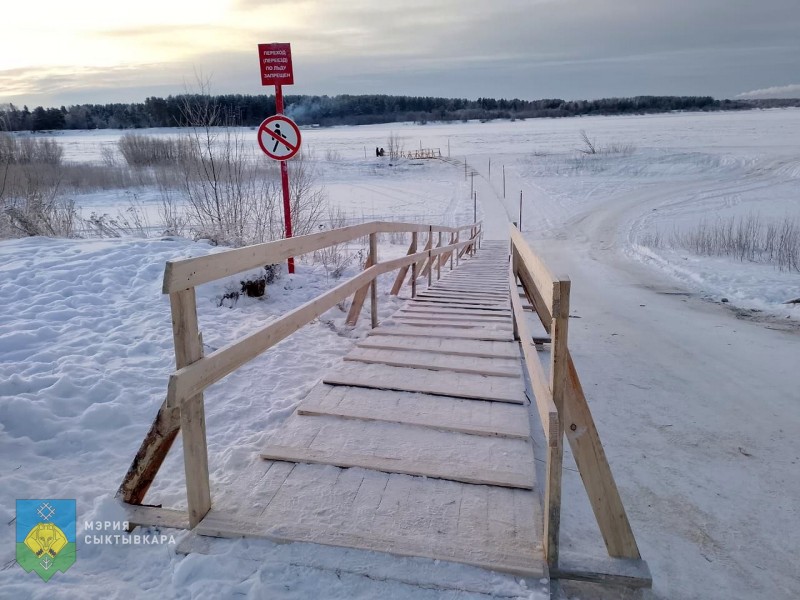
pixel 395 145
pixel 233 195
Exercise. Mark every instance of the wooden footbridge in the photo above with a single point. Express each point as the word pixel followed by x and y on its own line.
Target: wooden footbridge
pixel 424 440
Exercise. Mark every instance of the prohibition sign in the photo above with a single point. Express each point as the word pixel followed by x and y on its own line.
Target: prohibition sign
pixel 279 137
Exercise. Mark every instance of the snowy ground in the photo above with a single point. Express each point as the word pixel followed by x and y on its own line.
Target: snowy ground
pixel 697 402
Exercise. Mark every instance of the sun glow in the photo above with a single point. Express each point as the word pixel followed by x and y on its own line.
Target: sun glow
pixel 69 37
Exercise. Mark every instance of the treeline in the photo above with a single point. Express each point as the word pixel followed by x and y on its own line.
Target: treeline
pixel 249 110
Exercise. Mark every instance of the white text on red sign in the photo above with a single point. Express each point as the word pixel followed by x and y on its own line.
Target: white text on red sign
pixel 276 64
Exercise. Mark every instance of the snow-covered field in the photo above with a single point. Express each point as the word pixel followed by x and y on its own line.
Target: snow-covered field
pixel 698 402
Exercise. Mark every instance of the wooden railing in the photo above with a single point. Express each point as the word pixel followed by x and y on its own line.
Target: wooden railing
pixel 562 407
pixel 421 153
pixel 183 410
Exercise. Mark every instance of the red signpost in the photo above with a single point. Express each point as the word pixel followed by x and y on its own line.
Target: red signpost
pixel 276 69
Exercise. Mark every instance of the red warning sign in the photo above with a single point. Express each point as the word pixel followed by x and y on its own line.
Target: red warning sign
pixel 276 64
pixel 279 137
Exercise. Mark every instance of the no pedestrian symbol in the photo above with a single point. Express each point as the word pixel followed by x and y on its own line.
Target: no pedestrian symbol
pixel 279 137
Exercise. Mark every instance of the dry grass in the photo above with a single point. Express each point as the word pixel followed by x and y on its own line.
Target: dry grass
pixel 745 238
pixel 144 150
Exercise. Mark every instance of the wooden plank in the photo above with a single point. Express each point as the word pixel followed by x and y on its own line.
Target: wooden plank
pixel 464 325
pixel 472 299
pixel 546 408
pixel 455 319
pixel 409 540
pixel 457 303
pixel 626 572
pixel 412 309
pixel 534 295
pixel 452 471
pixel 188 351
pixel 442 297
pixel 439 383
pixel 462 277
pixel 456 291
pixel 409 444
pixel 191 272
pixel 558 386
pixel 459 296
pixel 587 449
pixel 155 516
pixel 455 347
pixel 540 274
pixel 463 334
pixel 492 293
pixel 424 304
pixel 455 288
pixel 436 362
pixel 496 419
pixel 421 305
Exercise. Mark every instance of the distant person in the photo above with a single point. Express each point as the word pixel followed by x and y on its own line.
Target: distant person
pixel 382 152
pixel 377 151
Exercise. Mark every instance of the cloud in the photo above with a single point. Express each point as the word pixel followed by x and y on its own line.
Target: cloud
pixel 778 91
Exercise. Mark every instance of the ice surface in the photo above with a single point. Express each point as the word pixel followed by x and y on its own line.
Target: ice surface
pixel 699 409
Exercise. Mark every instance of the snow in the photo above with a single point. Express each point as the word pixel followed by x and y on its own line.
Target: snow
pixel 696 401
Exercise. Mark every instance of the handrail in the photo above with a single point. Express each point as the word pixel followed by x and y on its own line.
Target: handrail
pixel 183 409
pixel 563 393
pixel 191 272
pixel 193 379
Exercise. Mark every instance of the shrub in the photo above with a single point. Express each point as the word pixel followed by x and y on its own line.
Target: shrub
pixel 144 150
pixel 232 197
pixel 29 151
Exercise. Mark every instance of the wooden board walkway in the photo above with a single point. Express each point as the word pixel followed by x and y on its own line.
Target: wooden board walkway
pixel 417 443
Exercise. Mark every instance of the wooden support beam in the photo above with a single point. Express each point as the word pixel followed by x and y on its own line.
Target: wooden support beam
pixel 439 259
pixel 373 251
pixel 425 263
pixel 188 350
pixel 430 258
pixel 414 271
pixel 595 471
pixel 452 241
pixel 401 274
pixel 361 295
pixel 627 572
pixel 155 516
pixel 151 455
pixel 558 383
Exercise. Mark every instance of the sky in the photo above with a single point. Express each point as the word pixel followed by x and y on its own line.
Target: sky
pixel 55 53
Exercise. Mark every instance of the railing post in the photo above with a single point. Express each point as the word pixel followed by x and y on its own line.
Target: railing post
pixel 430 257
pixel 189 349
pixel 361 295
pixel 452 241
pixel 559 369
pixel 458 238
pixel 414 265
pixel 373 250
pixel 439 259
